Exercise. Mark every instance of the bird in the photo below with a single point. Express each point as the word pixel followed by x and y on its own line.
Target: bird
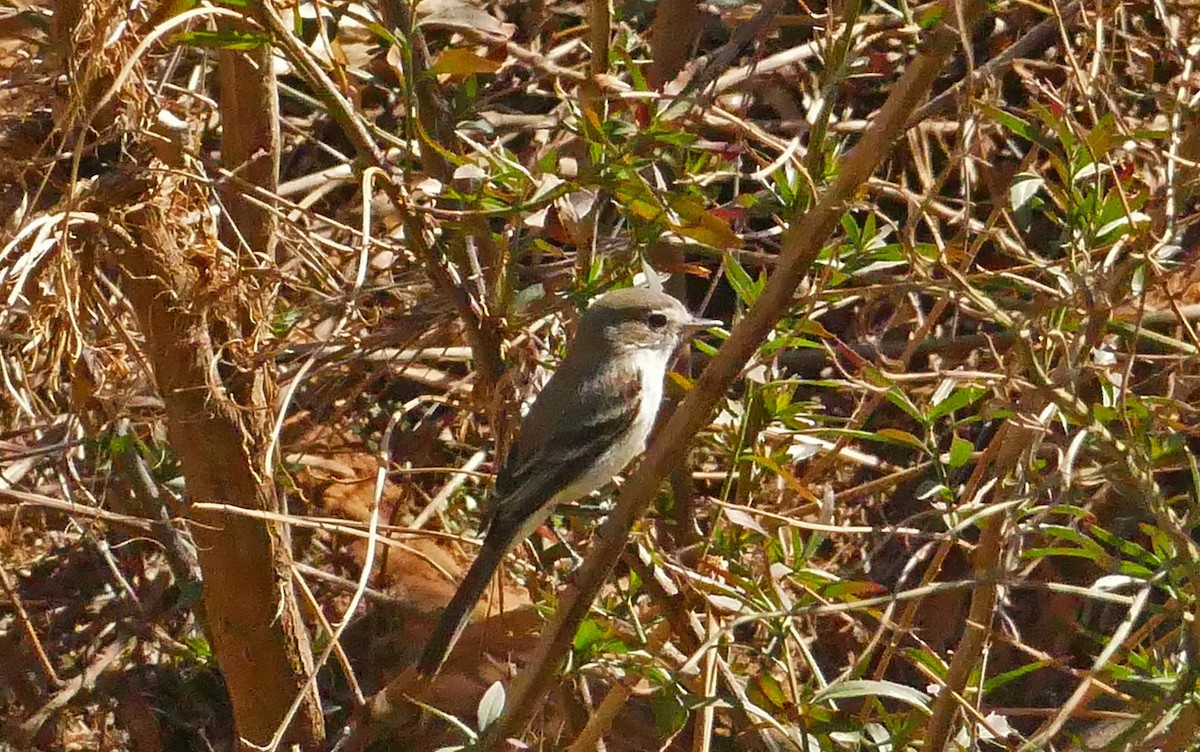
pixel 589 422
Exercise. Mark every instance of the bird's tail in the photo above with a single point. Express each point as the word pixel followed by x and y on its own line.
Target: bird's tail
pixel 458 611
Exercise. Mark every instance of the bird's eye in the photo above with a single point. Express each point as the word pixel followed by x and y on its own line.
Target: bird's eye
pixel 656 320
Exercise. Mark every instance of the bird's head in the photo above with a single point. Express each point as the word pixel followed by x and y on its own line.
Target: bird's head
pixel 636 320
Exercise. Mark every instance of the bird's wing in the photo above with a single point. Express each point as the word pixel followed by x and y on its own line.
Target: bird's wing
pixel 555 451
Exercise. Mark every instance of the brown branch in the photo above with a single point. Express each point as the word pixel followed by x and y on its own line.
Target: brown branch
pixel 599 29
pixel 253 617
pixel 1004 454
pixel 24 498
pixel 260 692
pixel 677 26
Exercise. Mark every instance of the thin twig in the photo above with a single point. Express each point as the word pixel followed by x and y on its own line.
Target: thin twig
pixel 14 597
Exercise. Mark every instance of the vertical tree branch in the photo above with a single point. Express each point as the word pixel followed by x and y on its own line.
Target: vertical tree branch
pixel 203 319
pixel 599 29
pixel 253 619
pixel 250 146
pixel 677 26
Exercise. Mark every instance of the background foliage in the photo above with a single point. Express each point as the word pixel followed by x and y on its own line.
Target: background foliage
pixel 952 497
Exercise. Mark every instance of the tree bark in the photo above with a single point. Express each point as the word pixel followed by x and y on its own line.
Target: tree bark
pixel 252 616
pixel 204 319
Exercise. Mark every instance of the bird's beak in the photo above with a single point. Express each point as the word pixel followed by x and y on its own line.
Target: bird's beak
pixel 697 324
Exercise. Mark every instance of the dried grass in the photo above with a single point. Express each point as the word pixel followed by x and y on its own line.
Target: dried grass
pixel 977 406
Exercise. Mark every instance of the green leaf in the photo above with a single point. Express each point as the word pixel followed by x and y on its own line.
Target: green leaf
pixel 199 647
pixel 1100 138
pixel 1071 534
pixel 995 682
pixel 850 227
pixel 669 711
pixel 847 590
pixel 1074 553
pixel 809 326
pixel 380 31
pixel 956 401
pixel 869 688
pixel 1137 571
pixel 636 77
pixel 931 17
pixel 633 198
pixel 700 224
pixel 898 398
pixel 895 435
pixel 710 230
pixel 1126 547
pixel 490 706
pixel 929 660
pixel 224 39
pixel 787 477
pixel 739 279
pixel 960 452
pixel 771 690
pixel 118 444
pixel 588 634
pixel 1020 127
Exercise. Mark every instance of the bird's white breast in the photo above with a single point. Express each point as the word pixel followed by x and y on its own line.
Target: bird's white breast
pixel 652 369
